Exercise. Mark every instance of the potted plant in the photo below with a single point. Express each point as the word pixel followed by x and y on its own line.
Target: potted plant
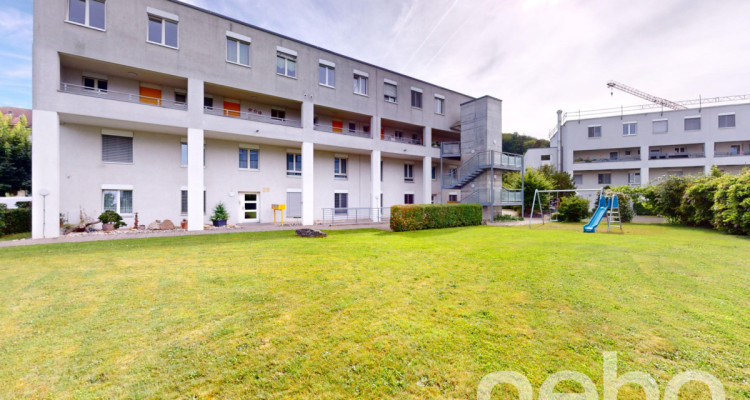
pixel 183 224
pixel 110 220
pixel 220 215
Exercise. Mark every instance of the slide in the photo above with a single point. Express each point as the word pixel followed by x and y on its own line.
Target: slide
pixel 598 215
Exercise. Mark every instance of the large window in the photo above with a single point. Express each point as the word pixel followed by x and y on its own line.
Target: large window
pixel 439 105
pixel 692 123
pixel 340 167
pixel 278 114
pixel 605 179
pixel 162 30
pixel 119 201
pixel 294 164
pixel 340 202
pixel 117 149
pixel 390 92
pixel 416 98
pixel 408 172
pixel 87 12
pixel 286 64
pixel 409 198
pixel 98 84
pixel 660 126
pixel 726 121
pixel 634 178
pixel 629 128
pixel 238 51
pixel 360 84
pixel 327 74
pixel 595 131
pixel 248 158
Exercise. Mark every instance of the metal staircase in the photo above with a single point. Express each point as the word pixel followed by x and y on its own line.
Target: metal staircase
pixel 479 163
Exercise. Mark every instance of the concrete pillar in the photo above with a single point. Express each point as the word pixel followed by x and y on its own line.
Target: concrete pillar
pixel 375 183
pixel 308 190
pixel 645 176
pixel 195 179
pixel 195 95
pixel 375 127
pixel 708 149
pixel 45 175
pixel 426 180
pixel 308 115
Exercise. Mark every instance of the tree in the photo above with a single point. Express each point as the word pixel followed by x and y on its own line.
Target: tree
pixel 518 144
pixel 15 156
pixel 560 180
pixel 533 180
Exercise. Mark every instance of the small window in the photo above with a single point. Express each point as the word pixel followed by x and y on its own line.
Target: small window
pixel 634 178
pixel 87 12
pixel 180 97
pixel 340 202
pixel 238 52
pixel 326 75
pixel 408 198
pixel 408 172
pixel 595 131
pixel 434 173
pixel 381 176
pixel 119 201
pixel 453 198
pixel 184 202
pixel 660 126
pixel 340 167
pixel 183 154
pixel 390 92
pixel 578 179
pixel 360 84
pixel 545 157
pixel 416 99
pixel 278 115
pixel 439 106
pixel 613 155
pixel 97 84
pixel 693 124
pixel 352 127
pixel 294 164
pixel 726 121
pixel 248 159
pixel 735 149
pixel 629 128
pixel 627 152
pixel 605 179
pixel 286 64
pixel 162 31
pixel 117 149
pixel 453 172
pixel 208 103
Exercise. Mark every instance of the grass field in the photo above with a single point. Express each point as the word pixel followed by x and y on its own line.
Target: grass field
pixel 371 314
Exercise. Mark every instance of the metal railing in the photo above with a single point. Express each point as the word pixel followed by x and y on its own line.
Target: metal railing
pixel 342 131
pixel 483 160
pixel 392 138
pixel 579 160
pixel 663 156
pixel 730 154
pixel 450 149
pixel 356 215
pixel 251 116
pixel 503 196
pixel 121 96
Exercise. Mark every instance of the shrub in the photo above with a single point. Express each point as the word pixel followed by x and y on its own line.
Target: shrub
pixel 219 213
pixel 501 217
pixel 731 209
pixel 412 217
pixel 111 217
pixel 14 221
pixel 573 209
pixel 697 204
pixel 668 198
pixel 533 180
pixel 625 202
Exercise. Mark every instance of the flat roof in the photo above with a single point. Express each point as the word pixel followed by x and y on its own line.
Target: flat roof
pixel 311 45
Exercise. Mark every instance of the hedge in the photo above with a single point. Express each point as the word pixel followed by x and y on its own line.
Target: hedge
pixel 412 217
pixel 17 220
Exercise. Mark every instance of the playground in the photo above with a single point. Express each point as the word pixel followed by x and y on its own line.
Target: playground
pixel 607 209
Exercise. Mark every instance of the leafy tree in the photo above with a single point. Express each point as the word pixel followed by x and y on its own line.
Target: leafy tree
pixel 668 198
pixel 534 180
pixel 560 180
pixel 573 209
pixel 518 144
pixel 15 156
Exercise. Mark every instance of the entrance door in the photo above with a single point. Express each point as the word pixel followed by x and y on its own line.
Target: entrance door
pixel 249 207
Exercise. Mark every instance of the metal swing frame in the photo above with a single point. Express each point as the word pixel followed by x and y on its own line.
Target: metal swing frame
pixel 537 193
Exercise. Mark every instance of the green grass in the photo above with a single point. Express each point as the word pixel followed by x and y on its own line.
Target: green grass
pixel 15 236
pixel 371 314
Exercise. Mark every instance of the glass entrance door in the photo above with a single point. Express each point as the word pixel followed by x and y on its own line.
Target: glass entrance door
pixel 250 207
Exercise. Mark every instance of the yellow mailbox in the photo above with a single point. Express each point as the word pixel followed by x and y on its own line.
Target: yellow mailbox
pixel 280 208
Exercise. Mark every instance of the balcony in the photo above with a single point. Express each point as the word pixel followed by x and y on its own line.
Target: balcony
pixel 229 102
pixel 500 197
pixel 675 155
pixel 730 154
pixel 341 122
pixel 121 96
pixel 479 163
pixel 343 131
pixel 450 149
pixel 401 132
pixel 252 116
pixel 401 139
pixel 580 160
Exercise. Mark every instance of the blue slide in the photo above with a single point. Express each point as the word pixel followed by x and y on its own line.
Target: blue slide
pixel 598 215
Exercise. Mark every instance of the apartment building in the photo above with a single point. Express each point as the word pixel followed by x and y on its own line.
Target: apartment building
pixel 643 144
pixel 162 109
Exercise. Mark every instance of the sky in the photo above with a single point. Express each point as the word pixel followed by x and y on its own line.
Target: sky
pixel 538 56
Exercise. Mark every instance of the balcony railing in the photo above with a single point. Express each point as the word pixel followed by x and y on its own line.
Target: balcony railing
pixel 730 154
pixel 120 96
pixel 502 196
pixel 251 116
pixel 450 149
pixel 342 131
pixel 360 215
pixel 580 160
pixel 479 162
pixel 392 138
pixel 664 156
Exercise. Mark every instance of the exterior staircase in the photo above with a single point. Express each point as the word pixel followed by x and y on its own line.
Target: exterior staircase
pixel 478 164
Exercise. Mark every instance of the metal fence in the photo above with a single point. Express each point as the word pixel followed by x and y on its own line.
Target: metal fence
pixel 362 215
pixel 390 138
pixel 120 96
pixel 251 116
pixel 342 130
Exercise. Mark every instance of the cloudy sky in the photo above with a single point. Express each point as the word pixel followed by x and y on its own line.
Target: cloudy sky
pixel 536 55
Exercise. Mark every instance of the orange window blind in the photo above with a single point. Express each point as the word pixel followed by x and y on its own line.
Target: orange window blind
pixel 150 95
pixel 231 109
pixel 337 126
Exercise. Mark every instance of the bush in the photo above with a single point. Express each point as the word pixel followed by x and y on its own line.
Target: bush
pixel 111 217
pixel 533 179
pixel 14 221
pixel 697 203
pixel 573 209
pixel 668 198
pixel 414 217
pixel 625 202
pixel 731 209
pixel 219 213
pixel 501 217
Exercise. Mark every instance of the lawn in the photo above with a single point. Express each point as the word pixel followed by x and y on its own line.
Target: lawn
pixel 371 314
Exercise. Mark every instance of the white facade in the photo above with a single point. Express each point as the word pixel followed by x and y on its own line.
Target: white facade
pixel 153 120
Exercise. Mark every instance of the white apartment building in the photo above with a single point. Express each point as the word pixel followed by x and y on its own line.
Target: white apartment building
pixel 642 144
pixel 163 109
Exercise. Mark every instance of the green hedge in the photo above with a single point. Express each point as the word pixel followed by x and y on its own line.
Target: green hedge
pixel 17 220
pixel 412 217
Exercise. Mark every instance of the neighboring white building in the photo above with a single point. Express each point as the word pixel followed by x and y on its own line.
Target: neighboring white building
pixel 163 109
pixel 640 145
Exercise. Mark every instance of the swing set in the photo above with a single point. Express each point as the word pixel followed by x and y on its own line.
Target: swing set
pixel 608 205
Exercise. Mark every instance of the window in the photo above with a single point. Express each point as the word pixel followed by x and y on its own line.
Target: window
pixel 595 131
pixel 119 201
pixel 183 154
pixel 416 98
pixel 726 121
pixel 629 128
pixel 340 202
pixel 434 173
pixel 390 92
pixel 660 126
pixel 98 84
pixel 294 164
pixel 408 172
pixel 87 12
pixel 545 157
pixel 735 149
pixel 208 103
pixel 605 179
pixel 162 28
pixel 286 64
pixel 634 178
pixel 439 105
pixel 327 74
pixel 238 51
pixel 352 127
pixel 360 84
pixel 180 97
pixel 613 156
pixel 452 198
pixel 381 176
pixel 184 202
pixel 627 152
pixel 278 115
pixel 248 158
pixel 409 198
pixel 339 167
pixel 679 149
pixel 117 149
pixel 692 123
pixel 578 179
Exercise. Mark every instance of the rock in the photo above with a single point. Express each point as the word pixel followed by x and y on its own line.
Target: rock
pixel 154 226
pixel 306 232
pixel 207 226
pixel 166 225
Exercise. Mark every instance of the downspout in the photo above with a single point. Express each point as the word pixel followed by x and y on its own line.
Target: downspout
pixel 559 141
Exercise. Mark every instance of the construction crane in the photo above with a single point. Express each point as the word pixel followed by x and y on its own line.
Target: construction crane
pixel 635 92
